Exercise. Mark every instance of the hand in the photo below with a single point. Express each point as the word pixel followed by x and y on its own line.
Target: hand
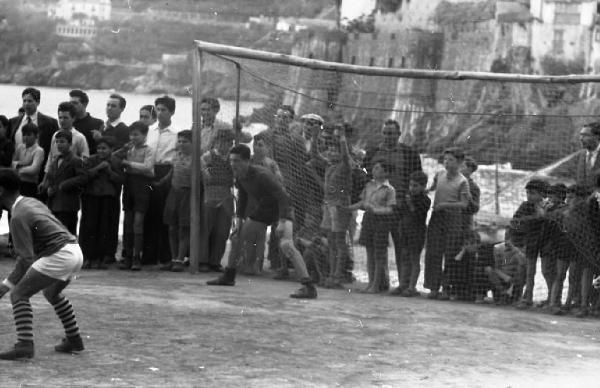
pixel 51 191
pixel 440 206
pixel 125 163
pixel 3 290
pixel 596 283
pixel 96 134
pixel 103 164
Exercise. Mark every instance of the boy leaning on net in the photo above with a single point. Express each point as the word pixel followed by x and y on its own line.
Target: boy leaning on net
pixel 48 258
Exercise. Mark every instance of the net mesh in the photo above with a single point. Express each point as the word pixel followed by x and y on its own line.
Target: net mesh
pixel 516 132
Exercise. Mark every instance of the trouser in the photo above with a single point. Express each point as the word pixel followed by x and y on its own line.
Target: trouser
pixel 217 224
pixel 156 232
pixel 248 245
pixel 444 240
pixel 69 220
pixel 410 263
pixel 531 254
pixel 97 220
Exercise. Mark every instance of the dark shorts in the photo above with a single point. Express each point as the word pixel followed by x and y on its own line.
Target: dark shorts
pixel 375 230
pixel 177 208
pixel 136 194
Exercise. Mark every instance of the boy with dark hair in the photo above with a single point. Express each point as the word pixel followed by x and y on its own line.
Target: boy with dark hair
pixel 507 276
pixel 177 209
pixel 63 182
pixel 104 179
pixel 28 160
pixel 445 232
pixel 337 185
pixel 552 242
pixel 218 200
pixel 377 200
pixel 48 258
pixel 79 146
pixel 413 229
pixel 525 231
pixel 272 204
pixel 138 163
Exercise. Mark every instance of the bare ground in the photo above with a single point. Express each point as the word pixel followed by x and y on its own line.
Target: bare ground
pixel 154 329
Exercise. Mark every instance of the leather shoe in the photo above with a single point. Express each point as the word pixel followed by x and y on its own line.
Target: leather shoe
pixel 22 349
pixel 70 345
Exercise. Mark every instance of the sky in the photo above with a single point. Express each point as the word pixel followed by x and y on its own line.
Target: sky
pixel 355 8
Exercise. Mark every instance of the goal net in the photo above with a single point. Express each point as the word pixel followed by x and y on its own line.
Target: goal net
pixel 515 130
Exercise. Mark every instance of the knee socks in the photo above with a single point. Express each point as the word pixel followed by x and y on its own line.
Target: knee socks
pixel 65 313
pixel 23 315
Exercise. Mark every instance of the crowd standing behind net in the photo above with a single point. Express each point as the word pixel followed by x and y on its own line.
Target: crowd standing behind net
pixel 367 163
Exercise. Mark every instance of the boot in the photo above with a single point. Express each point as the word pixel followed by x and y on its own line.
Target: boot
pixel 70 345
pixel 308 291
pixel 22 349
pixel 137 263
pixel 227 279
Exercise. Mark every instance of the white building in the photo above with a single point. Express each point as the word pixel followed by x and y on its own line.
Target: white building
pixel 562 28
pixel 69 10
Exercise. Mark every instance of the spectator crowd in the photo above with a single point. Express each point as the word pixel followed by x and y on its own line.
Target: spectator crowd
pixel 310 182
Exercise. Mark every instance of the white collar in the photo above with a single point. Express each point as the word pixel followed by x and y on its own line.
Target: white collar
pixel 115 123
pixel 594 152
pixel 19 198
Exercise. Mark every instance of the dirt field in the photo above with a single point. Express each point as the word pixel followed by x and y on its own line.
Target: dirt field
pixel 154 329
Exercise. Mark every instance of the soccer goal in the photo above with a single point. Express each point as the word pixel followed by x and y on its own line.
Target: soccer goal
pixel 514 126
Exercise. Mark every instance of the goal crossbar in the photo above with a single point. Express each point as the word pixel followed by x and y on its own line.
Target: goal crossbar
pixel 316 64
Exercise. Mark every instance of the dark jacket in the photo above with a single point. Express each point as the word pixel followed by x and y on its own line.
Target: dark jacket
pixel 47 127
pixel 272 202
pixel 103 182
pixel 86 125
pixel 67 181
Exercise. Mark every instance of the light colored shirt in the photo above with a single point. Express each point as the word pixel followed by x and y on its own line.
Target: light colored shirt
pixel 30 160
pixel 19 134
pixel 381 196
pixel 451 190
pixel 142 161
pixel 163 142
pixel 79 147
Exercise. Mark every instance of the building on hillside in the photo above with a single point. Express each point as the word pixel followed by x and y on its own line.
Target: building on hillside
pixel 77 18
pixel 562 29
pixel 69 10
pixel 409 14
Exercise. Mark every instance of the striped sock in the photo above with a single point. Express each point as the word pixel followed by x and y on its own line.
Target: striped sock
pixel 23 320
pixel 64 310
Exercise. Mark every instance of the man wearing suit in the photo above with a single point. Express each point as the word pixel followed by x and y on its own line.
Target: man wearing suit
pixel 588 169
pixel 47 125
pixel 588 163
pixel 118 130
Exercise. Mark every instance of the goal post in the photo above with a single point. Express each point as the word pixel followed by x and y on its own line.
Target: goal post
pixel 516 126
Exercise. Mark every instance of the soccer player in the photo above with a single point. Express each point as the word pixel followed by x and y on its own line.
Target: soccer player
pixel 261 186
pixel 48 258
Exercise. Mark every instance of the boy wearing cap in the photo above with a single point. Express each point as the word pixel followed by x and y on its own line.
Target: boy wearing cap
pixel 525 231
